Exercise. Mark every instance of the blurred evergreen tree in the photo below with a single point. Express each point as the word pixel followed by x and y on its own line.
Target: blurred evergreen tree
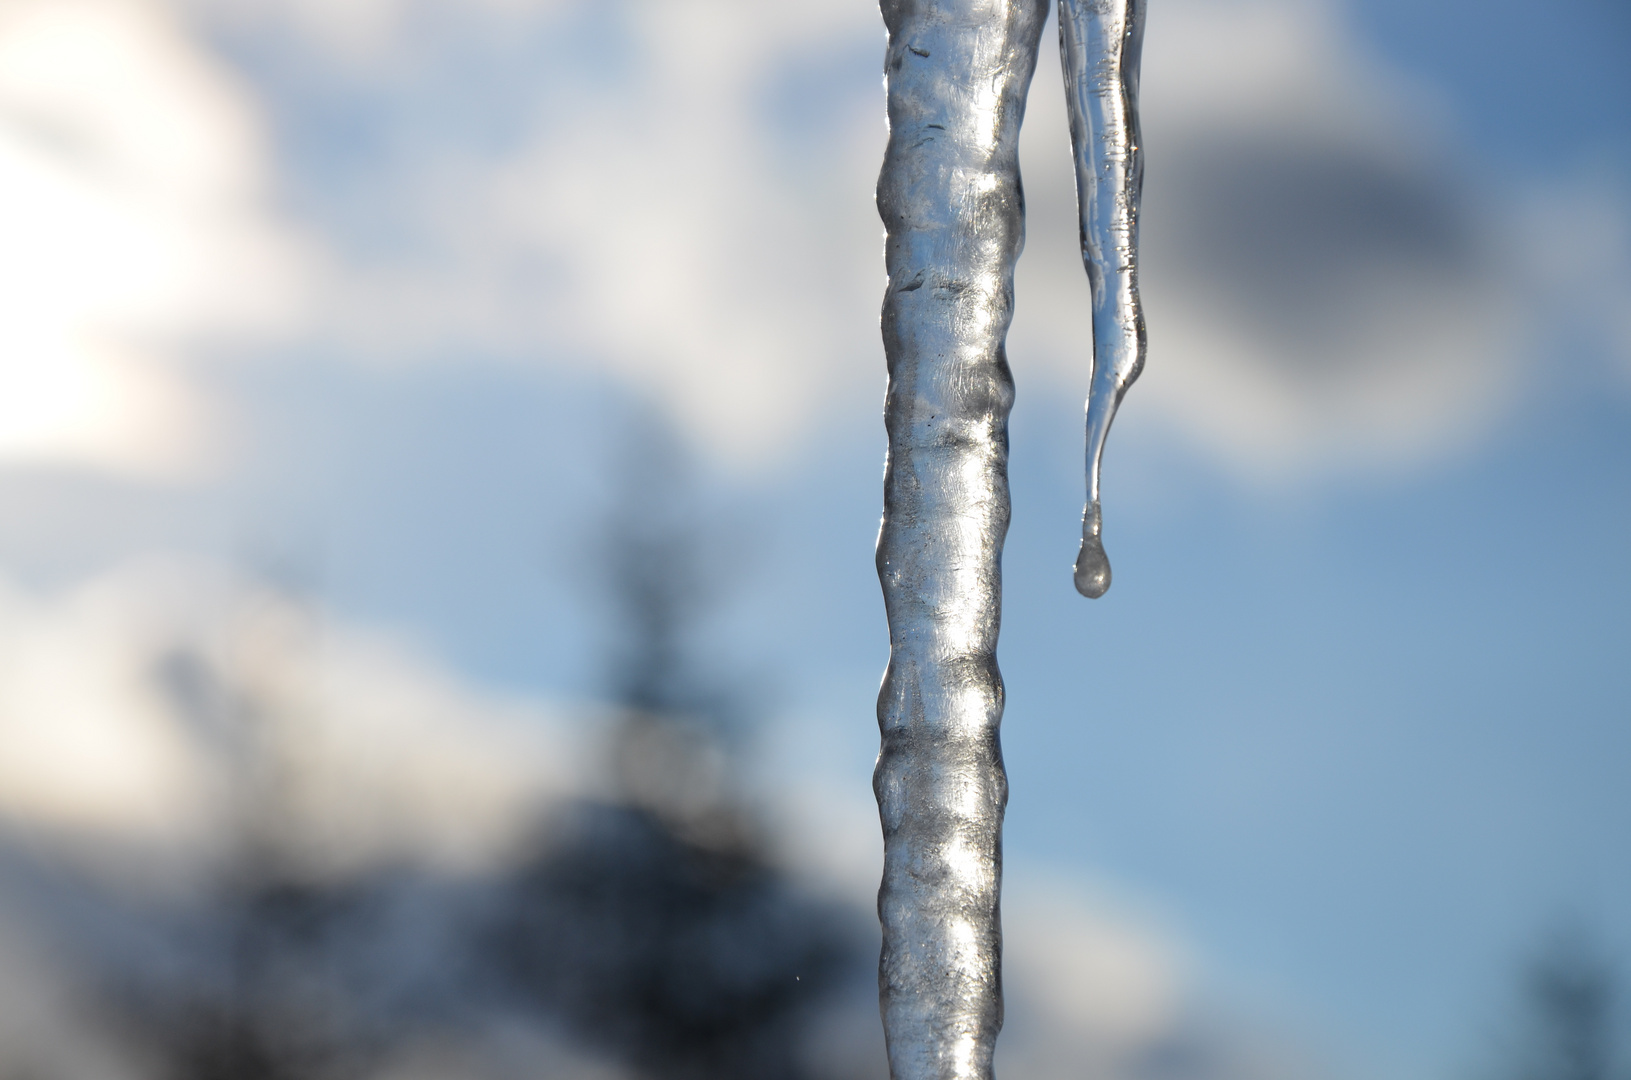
pixel 654 927
pixel 1569 997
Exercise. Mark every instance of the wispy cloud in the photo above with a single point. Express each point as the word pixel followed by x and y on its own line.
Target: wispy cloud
pixel 132 197
pixel 678 195
pixel 162 705
pixel 1325 281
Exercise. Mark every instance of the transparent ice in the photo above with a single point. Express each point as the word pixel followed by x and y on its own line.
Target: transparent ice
pixel 958 72
pixel 1099 46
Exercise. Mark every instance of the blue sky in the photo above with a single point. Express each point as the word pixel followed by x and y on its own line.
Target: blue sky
pixel 1353 725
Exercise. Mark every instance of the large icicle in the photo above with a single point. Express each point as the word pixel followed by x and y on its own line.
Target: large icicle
pixel 949 195
pixel 1099 43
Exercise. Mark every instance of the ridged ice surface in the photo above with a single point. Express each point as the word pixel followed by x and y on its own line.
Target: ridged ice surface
pixel 1099 43
pixel 949 195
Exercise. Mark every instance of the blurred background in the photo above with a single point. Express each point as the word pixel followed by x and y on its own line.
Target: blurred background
pixel 439 466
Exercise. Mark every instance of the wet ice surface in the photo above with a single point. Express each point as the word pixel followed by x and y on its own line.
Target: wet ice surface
pixel 958 72
pixel 1099 45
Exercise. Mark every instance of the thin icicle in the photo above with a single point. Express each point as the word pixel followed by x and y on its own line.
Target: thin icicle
pixel 949 195
pixel 1099 43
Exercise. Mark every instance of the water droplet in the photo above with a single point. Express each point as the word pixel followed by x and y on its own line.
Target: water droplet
pixel 1092 564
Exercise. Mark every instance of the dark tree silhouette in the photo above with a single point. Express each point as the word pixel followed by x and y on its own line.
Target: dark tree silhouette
pixel 659 926
pixel 654 927
pixel 689 961
pixel 1569 995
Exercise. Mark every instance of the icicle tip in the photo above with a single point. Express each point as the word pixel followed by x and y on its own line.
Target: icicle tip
pixel 1092 564
pixel 1092 570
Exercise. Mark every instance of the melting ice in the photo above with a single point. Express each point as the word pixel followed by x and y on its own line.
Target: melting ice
pixel 1099 45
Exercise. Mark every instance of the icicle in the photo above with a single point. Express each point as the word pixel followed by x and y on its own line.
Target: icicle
pixel 949 195
pixel 1099 43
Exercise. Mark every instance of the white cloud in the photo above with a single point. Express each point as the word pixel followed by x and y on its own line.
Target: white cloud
pixel 1090 986
pixel 656 227
pixel 1319 290
pixel 1322 283
pixel 131 179
pixel 173 709
pixel 1099 989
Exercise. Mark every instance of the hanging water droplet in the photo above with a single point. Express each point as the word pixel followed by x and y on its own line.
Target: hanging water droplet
pixel 1099 44
pixel 1092 564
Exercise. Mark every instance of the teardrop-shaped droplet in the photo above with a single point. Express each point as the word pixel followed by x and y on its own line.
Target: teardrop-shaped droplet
pixel 1092 564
